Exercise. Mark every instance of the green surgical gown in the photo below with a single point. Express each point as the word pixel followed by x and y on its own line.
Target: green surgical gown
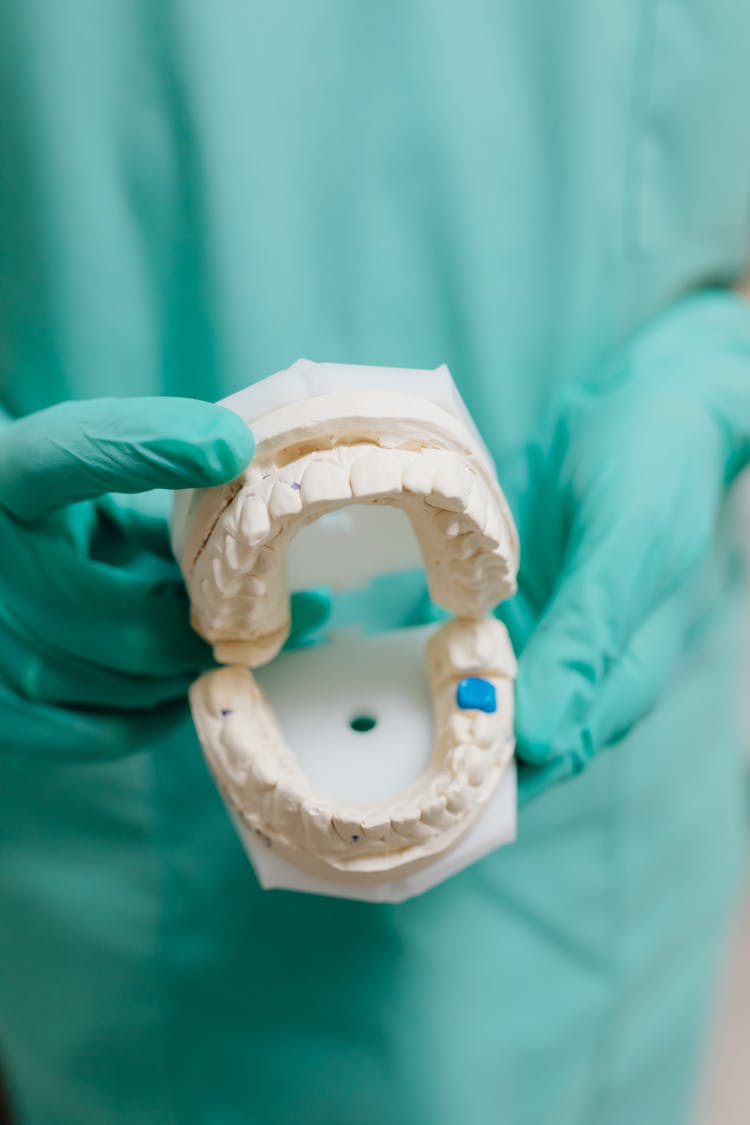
pixel 192 195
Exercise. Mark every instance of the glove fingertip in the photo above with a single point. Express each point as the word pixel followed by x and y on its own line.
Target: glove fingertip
pixel 230 447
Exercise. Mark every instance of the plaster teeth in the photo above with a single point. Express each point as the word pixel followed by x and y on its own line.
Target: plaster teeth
pixel 230 554
pixel 460 727
pixel 263 771
pixel 236 581
pixel 435 813
pixel 477 504
pixel 374 474
pixel 476 766
pixel 456 796
pixel 254 523
pixel 376 825
pixel 452 484
pixel 287 798
pixel 451 525
pixel 285 501
pixel 405 819
pixel 418 474
pixel 324 482
pixel 467 545
pixel 317 829
pixel 485 730
pixel 349 827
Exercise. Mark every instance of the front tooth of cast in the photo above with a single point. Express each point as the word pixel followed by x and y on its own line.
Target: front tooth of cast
pixel 452 484
pixel 348 825
pixel 318 831
pixel 376 473
pixel 285 500
pixel 376 825
pixel 255 523
pixel 418 474
pixel 324 481
pixel 405 819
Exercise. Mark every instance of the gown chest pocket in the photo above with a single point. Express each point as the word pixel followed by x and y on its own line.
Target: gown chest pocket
pixel 690 146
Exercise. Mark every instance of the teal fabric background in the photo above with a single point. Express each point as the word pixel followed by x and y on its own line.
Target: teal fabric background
pixel 191 197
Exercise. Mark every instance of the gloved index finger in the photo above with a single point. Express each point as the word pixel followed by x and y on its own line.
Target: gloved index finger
pixel 80 450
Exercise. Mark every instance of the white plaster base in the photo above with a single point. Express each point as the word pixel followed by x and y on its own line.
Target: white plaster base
pixel 315 693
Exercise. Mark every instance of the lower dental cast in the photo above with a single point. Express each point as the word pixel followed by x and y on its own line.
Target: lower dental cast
pixel 313 457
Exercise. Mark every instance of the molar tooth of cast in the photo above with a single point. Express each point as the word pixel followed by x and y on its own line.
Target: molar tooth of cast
pixel 226 584
pixel 231 558
pixel 263 770
pixel 456 796
pixel 457 759
pixel 493 528
pixel 255 523
pixel 452 484
pixel 476 504
pixel 284 501
pixel 451 525
pixel 264 562
pixel 476 765
pixel 484 730
pixel 324 481
pixel 376 473
pixel 435 812
pixel 459 728
pixel 467 545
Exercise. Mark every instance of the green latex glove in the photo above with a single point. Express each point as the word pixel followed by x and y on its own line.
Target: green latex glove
pixel 617 509
pixel 95 640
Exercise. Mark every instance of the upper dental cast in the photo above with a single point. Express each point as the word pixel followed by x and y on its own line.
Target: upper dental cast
pixel 313 457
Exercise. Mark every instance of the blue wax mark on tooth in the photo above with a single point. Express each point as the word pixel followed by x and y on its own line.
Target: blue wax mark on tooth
pixel 296 485
pixel 476 694
pixel 355 838
pixel 226 710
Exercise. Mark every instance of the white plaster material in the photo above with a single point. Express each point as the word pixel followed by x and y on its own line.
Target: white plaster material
pixel 316 456
pixel 362 441
pixel 263 781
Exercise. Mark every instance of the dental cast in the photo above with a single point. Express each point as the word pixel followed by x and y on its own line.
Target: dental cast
pixel 313 457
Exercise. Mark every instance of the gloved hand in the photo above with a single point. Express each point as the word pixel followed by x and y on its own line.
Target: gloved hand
pixel 617 508
pixel 95 640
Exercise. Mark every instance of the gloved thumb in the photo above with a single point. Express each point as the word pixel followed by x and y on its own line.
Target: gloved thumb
pixel 81 450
